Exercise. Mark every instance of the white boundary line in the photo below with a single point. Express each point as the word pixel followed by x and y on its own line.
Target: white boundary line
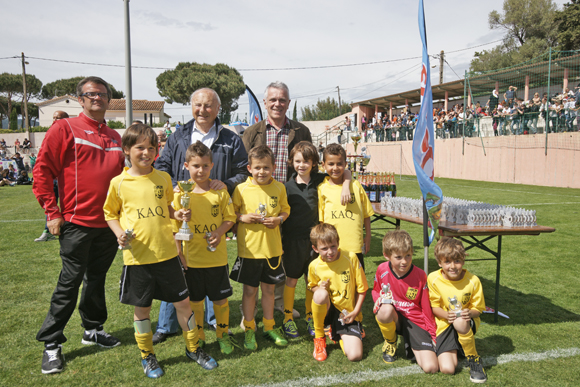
pixel 362 376
pixel 22 220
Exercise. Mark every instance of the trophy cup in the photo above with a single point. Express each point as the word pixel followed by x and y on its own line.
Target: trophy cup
pixel 209 247
pixel 388 296
pixel 355 140
pixel 342 316
pixel 186 187
pixel 454 306
pixel 261 210
pixel 129 234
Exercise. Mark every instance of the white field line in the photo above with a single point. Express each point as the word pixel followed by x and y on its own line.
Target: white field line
pixel 542 204
pixel 511 190
pixel 362 376
pixel 22 220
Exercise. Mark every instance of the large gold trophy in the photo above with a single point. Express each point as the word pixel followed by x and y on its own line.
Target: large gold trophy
pixel 186 187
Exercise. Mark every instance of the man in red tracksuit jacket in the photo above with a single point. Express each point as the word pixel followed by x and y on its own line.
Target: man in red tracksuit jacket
pixel 83 154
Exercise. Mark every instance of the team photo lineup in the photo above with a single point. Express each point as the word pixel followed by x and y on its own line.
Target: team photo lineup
pixel 294 210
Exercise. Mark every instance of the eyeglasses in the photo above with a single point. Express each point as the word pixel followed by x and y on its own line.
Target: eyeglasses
pixel 93 95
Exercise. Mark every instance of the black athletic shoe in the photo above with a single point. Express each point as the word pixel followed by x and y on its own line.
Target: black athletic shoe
pixel 159 337
pixel 52 359
pixel 476 371
pixel 389 350
pixel 203 359
pixel 101 338
pixel 151 367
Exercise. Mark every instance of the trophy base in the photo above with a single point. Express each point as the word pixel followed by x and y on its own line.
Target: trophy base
pixel 183 236
pixel 386 301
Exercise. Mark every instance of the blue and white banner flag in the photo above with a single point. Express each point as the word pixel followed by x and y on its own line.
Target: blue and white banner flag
pixel 424 140
pixel 255 111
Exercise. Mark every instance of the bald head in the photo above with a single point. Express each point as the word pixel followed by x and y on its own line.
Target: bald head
pixel 59 115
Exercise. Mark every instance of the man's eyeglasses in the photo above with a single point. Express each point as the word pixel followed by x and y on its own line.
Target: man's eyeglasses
pixel 93 95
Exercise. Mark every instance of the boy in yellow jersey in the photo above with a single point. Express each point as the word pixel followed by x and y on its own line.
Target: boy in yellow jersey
pixel 339 285
pixel 139 199
pixel 261 207
pixel 349 220
pixel 206 271
pixel 457 301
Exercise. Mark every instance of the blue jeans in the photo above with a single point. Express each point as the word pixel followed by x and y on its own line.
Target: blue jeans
pixel 168 323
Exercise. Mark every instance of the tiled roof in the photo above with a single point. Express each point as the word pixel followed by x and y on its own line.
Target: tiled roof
pixel 138 105
pixel 56 99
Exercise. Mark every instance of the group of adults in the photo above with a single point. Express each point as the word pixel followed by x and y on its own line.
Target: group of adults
pixel 84 154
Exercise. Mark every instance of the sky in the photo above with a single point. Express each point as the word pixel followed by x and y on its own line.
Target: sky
pixel 295 42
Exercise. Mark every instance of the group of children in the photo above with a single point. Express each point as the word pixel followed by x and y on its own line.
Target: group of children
pixel 281 230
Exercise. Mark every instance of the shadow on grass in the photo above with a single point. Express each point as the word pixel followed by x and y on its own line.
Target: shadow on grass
pixel 125 335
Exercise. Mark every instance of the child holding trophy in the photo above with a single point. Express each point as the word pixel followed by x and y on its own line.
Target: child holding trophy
pixel 139 199
pixel 457 301
pixel 204 258
pixel 261 207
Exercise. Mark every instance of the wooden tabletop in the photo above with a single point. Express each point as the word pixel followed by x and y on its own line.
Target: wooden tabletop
pixel 452 229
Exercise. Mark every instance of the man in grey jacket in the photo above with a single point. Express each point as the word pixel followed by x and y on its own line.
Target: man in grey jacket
pixel 230 169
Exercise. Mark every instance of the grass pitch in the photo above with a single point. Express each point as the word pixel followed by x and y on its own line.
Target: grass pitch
pixel 539 291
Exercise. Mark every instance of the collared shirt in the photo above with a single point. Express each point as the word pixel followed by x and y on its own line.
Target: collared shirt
pixel 206 138
pixel 277 140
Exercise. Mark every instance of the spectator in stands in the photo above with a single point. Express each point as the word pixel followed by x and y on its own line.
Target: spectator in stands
pixel 23 178
pixel 2 144
pixel 17 146
pixel 510 93
pixel 19 161
pixel 570 112
pixel 493 100
pixel 553 115
pixel 26 145
pixel 7 178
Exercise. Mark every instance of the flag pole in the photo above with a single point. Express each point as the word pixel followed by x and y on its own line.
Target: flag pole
pixel 425 237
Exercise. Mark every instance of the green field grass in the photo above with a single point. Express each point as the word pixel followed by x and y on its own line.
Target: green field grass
pixel 539 291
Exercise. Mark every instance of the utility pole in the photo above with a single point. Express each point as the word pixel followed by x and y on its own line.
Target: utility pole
pixel 24 63
pixel 339 104
pixel 441 61
pixel 128 81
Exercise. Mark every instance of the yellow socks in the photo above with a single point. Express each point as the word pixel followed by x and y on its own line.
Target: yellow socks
pixel 268 324
pixel 197 308
pixel 144 337
pixel 222 318
pixel 389 331
pixel 192 335
pixel 308 303
pixel 288 302
pixel 467 341
pixel 250 324
pixel 318 314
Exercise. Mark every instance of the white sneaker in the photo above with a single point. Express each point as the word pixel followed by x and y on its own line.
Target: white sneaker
pixel 45 237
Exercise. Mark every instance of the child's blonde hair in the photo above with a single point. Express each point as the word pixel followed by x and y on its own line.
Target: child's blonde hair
pixel 325 233
pixel 398 241
pixel 449 249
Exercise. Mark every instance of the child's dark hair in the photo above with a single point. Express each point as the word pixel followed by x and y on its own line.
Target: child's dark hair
pixel 134 132
pixel 260 152
pixel 449 249
pixel 334 150
pixel 308 151
pixel 325 233
pixel 199 149
pixel 398 241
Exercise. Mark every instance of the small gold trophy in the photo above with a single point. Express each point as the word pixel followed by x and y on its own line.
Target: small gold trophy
pixel 261 210
pixel 355 140
pixel 454 306
pixel 186 187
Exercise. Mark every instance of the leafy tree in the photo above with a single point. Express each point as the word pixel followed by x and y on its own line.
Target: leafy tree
pixel 11 88
pixel 69 86
pixel 530 29
pixel 295 112
pixel 568 21
pixel 325 109
pixel 13 120
pixel 178 85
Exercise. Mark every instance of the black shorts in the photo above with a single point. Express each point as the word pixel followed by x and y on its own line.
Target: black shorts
pixel 361 259
pixel 251 271
pixel 448 340
pixel 164 281
pixel 337 329
pixel 415 337
pixel 297 256
pixel 212 282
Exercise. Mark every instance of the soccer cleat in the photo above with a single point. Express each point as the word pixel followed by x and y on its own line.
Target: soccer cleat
pixel 290 329
pixel 151 367
pixel 203 359
pixel 310 326
pixel 45 237
pixel 159 337
pixel 250 340
pixel 52 359
pixel 101 338
pixel 227 344
pixel 476 371
pixel 328 333
pixel 320 349
pixel 389 350
pixel 277 336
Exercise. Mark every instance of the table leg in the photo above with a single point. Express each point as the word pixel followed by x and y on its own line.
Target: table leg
pixel 498 256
